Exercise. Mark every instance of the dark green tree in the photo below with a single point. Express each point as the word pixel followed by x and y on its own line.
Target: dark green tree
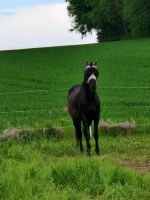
pixel 112 19
pixel 80 11
pixel 137 15
pixel 108 20
pixel 105 16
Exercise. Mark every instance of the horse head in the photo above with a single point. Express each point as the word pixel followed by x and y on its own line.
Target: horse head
pixel 91 75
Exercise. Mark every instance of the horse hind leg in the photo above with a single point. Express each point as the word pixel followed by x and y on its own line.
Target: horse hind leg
pixel 78 133
pixel 87 134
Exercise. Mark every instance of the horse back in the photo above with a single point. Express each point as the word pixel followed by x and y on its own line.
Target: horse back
pixel 75 87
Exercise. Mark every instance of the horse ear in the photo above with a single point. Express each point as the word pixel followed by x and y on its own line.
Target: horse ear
pixel 95 62
pixel 87 63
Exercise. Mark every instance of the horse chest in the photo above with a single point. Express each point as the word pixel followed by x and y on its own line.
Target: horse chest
pixel 91 109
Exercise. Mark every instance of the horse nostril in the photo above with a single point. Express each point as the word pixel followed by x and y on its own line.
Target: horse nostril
pixel 93 88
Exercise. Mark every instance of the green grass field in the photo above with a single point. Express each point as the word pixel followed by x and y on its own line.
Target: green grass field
pixel 35 81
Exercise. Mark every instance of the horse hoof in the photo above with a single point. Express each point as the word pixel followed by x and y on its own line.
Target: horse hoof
pixel 97 152
pixel 89 153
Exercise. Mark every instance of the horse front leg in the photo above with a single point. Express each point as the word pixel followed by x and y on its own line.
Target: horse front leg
pixel 86 134
pixel 96 136
pixel 77 125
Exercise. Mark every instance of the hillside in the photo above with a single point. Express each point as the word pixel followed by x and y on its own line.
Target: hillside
pixel 38 155
pixel 123 85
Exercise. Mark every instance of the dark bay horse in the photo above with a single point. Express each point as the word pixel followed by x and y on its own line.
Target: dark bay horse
pixel 84 106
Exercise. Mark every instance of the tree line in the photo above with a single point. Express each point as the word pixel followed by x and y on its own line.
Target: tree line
pixel 112 19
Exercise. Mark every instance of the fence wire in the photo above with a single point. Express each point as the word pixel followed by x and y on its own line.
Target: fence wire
pixel 56 127
pixel 61 89
pixel 65 109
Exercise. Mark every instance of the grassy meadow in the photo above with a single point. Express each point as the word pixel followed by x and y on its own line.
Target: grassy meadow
pixel 33 94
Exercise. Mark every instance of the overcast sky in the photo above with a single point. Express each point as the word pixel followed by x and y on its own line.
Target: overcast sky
pixel 36 23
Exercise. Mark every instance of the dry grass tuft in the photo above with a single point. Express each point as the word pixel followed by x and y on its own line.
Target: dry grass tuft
pixel 56 133
pixel 116 128
pixel 29 134
pixel 11 134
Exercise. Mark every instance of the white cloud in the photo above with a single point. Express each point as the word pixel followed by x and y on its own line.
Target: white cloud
pixel 38 26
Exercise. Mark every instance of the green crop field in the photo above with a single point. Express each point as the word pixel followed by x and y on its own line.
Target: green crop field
pixel 33 96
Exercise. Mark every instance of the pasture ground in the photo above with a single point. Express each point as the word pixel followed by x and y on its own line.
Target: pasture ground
pixel 52 168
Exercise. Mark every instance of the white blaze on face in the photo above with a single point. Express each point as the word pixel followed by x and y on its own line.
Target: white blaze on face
pixel 91 77
pixel 88 66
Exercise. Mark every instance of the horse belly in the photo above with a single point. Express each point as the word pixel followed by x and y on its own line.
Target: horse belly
pixel 74 113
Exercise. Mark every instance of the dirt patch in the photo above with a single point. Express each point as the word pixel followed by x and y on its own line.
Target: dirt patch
pixel 141 165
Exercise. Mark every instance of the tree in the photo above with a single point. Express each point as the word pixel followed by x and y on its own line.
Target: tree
pixel 137 14
pixel 80 11
pixel 105 16
pixel 108 19
pixel 112 19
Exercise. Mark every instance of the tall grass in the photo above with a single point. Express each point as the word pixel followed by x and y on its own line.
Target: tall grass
pixel 80 178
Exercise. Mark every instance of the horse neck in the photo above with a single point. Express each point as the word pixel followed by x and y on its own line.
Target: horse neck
pixel 90 95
